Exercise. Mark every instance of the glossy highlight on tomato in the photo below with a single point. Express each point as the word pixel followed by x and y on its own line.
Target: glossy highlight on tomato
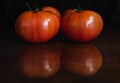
pixel 38 26
pixel 81 26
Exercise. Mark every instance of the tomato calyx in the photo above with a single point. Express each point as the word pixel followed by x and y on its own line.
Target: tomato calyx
pixel 30 9
pixel 37 9
pixel 78 9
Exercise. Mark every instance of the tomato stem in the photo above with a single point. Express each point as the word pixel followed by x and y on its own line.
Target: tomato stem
pixel 29 7
pixel 37 9
pixel 78 9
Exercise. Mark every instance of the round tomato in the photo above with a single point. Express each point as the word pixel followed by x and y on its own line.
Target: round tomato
pixel 38 26
pixel 81 26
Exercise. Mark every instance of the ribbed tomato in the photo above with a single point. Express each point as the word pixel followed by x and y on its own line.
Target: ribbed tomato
pixel 81 26
pixel 38 26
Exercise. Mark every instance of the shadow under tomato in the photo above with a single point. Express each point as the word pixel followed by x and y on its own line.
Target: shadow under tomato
pixel 84 59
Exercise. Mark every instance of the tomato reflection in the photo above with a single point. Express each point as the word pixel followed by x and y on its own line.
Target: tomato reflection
pixel 39 61
pixel 83 59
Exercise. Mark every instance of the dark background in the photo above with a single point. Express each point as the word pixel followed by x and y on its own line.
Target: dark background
pixel 108 42
pixel 11 9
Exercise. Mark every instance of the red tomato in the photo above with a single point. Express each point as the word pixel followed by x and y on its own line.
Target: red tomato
pixel 39 61
pixel 82 25
pixel 84 60
pixel 38 26
pixel 52 9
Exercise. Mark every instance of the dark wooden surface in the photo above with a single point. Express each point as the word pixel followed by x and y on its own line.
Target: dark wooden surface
pixel 108 44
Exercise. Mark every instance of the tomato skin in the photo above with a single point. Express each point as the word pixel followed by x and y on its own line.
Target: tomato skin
pixel 81 26
pixel 52 9
pixel 37 27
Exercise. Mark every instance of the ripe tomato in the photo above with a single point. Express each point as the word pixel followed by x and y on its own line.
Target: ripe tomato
pixel 38 26
pixel 39 61
pixel 84 60
pixel 82 25
pixel 52 9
